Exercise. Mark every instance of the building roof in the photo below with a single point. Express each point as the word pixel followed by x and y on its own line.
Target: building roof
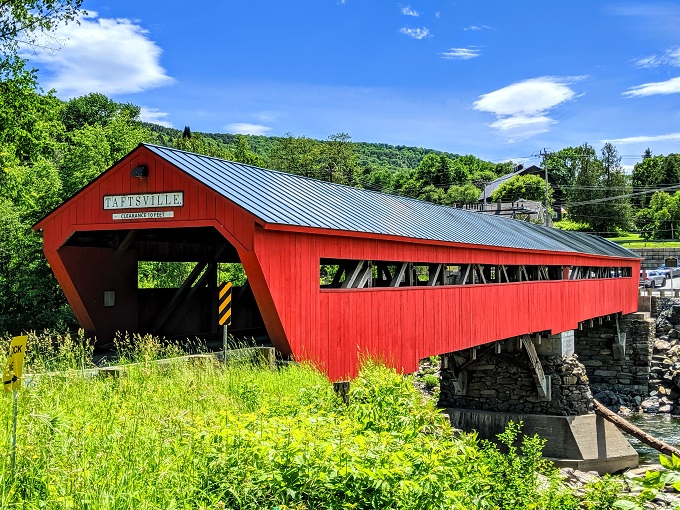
pixel 288 199
pixel 530 170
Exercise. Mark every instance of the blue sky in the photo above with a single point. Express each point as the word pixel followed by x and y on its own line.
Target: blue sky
pixel 497 79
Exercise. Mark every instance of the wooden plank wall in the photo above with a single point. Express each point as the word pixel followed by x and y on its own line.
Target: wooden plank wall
pixel 335 327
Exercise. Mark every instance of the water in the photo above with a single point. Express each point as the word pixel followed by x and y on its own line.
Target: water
pixel 661 426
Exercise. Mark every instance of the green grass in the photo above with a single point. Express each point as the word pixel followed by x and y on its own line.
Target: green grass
pixel 636 241
pixel 206 435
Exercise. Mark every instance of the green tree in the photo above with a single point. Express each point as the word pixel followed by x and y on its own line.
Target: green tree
pixel 647 173
pixel 95 109
pixel 339 159
pixel 296 155
pixel 459 173
pixel 243 154
pixel 193 142
pixel 435 169
pixel 29 125
pixel 23 21
pixel 462 195
pixel 598 182
pixel 661 219
pixel 670 170
pixel 377 179
pixel 431 193
pixel 528 187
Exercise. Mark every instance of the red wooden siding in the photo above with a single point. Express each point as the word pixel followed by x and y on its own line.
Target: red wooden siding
pixel 403 325
pixel 334 327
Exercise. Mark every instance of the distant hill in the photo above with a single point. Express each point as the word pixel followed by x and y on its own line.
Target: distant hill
pixel 371 155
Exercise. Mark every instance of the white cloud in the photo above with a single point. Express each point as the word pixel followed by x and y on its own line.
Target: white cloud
pixel 111 56
pixel 155 116
pixel 245 128
pixel 477 28
pixel 407 11
pixel 267 116
pixel 643 139
pixel 461 53
pixel 671 86
pixel 521 108
pixel 539 122
pixel 416 33
pixel 670 58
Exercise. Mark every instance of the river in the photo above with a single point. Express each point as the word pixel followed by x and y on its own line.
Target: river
pixel 661 426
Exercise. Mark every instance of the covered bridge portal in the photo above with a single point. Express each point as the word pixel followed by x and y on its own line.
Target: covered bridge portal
pixel 333 272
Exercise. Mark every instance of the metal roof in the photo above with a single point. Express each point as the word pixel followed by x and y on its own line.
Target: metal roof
pixel 289 199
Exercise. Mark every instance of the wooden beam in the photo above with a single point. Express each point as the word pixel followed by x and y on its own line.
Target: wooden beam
pixel 169 309
pixel 434 272
pixel 465 275
pixel 480 270
pixel 365 278
pixel 634 431
pixel 210 273
pixel 542 382
pixel 338 274
pixel 398 275
pixel 352 275
pixel 123 246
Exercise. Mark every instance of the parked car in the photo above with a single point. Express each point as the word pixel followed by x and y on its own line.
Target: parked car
pixel 670 272
pixel 653 278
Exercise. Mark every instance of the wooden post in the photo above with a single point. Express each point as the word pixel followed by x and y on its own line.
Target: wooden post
pixel 631 429
pixel 342 389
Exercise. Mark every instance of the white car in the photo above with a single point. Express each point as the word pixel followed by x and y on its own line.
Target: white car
pixel 652 278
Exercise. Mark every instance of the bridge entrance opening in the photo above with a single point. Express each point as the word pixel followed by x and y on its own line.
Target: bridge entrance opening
pixel 162 281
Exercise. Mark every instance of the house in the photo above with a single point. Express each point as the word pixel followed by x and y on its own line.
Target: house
pixel 558 194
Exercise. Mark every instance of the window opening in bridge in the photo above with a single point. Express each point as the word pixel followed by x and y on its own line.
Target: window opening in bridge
pixel 163 275
pixel 360 274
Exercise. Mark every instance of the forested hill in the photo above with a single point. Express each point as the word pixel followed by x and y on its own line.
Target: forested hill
pixel 369 155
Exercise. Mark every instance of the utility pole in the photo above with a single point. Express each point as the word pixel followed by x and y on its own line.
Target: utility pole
pixel 544 154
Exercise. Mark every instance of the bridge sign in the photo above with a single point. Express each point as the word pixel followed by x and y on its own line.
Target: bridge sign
pixel 671 262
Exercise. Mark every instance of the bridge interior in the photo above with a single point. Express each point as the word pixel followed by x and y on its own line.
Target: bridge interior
pixel 184 305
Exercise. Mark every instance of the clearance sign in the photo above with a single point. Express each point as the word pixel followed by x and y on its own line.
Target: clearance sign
pixel 11 376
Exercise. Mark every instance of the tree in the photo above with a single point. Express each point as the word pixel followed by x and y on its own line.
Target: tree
pixel 339 159
pixel 296 155
pixel 597 183
pixel 23 21
pixel 661 219
pixel 243 154
pixel 193 142
pixel 29 125
pixel 435 169
pixel 670 170
pixel 462 195
pixel 646 174
pixel 431 193
pixel 93 109
pixel 528 187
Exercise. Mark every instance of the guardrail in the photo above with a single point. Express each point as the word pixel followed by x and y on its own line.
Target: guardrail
pixel 675 293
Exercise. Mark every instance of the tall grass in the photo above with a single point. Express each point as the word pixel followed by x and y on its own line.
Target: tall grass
pixel 206 435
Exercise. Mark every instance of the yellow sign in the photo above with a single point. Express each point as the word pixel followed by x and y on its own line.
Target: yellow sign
pixel 224 304
pixel 11 376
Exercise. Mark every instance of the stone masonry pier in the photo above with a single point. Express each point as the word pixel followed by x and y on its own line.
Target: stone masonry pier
pixel 548 381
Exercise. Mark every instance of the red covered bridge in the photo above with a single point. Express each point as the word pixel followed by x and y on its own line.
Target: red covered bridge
pixel 333 271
